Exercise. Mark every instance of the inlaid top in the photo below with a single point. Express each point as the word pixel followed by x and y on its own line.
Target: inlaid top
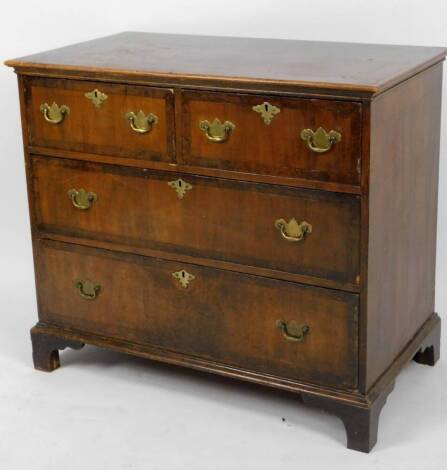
pixel 327 65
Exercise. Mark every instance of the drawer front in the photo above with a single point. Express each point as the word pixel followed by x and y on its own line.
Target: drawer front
pixel 282 142
pixel 224 220
pixel 276 327
pixel 100 122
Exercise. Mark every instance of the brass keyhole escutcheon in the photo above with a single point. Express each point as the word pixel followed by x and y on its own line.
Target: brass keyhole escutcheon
pixel 183 277
pixel 96 97
pixel 320 141
pixel 293 231
pixel 267 111
pixel 81 199
pixel 180 186
pixel 54 114
pixel 87 289
pixel 292 330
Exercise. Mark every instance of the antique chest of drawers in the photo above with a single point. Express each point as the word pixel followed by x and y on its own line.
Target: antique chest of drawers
pixel 260 209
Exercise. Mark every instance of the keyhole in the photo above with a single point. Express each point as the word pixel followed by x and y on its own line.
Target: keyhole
pixel 183 274
pixel 266 106
pixel 180 184
pixel 96 94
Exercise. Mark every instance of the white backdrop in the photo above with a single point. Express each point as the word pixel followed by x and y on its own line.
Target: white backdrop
pixel 132 414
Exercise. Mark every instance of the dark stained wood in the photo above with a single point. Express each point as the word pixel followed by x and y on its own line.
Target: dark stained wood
pixel 361 423
pixel 349 397
pixel 218 219
pixel 228 317
pixel 46 349
pixel 424 337
pixel 430 349
pixel 199 363
pixel 103 130
pixel 252 143
pixel 351 406
pixel 330 65
pixel 404 155
pixel 194 170
pixel 210 262
pixel 364 239
pixel 371 254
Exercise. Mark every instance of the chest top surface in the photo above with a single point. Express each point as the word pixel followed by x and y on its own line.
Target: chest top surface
pixel 369 68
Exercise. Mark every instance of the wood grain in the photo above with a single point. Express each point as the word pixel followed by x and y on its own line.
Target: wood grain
pixel 404 158
pixel 189 59
pixel 194 170
pixel 224 316
pixel 363 280
pixel 251 145
pixel 103 130
pixel 218 219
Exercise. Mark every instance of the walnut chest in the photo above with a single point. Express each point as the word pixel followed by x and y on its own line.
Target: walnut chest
pixel 260 209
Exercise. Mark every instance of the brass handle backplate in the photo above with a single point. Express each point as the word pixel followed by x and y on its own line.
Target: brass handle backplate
pixel 87 289
pixel 292 330
pixel 54 114
pixel 293 231
pixel 217 131
pixel 141 123
pixel 82 199
pixel 320 141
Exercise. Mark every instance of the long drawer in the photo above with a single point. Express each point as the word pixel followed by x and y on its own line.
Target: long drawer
pixel 118 120
pixel 276 327
pixel 311 233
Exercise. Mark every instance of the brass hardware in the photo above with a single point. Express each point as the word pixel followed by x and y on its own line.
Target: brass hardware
pixel 216 131
pixel 87 289
pixel 82 199
pixel 97 97
pixel 292 330
pixel 180 187
pixel 141 123
pixel 293 231
pixel 267 111
pixel 320 141
pixel 54 114
pixel 183 277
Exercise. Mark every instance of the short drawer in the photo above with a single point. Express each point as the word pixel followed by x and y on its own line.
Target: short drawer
pixel 111 119
pixel 306 232
pixel 312 139
pixel 275 327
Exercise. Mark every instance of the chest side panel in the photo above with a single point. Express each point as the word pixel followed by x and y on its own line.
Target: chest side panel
pixel 404 155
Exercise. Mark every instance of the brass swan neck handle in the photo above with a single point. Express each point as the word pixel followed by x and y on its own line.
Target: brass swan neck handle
pixel 54 114
pixel 292 331
pixel 140 122
pixel 87 289
pixel 293 231
pixel 320 141
pixel 81 199
pixel 217 131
